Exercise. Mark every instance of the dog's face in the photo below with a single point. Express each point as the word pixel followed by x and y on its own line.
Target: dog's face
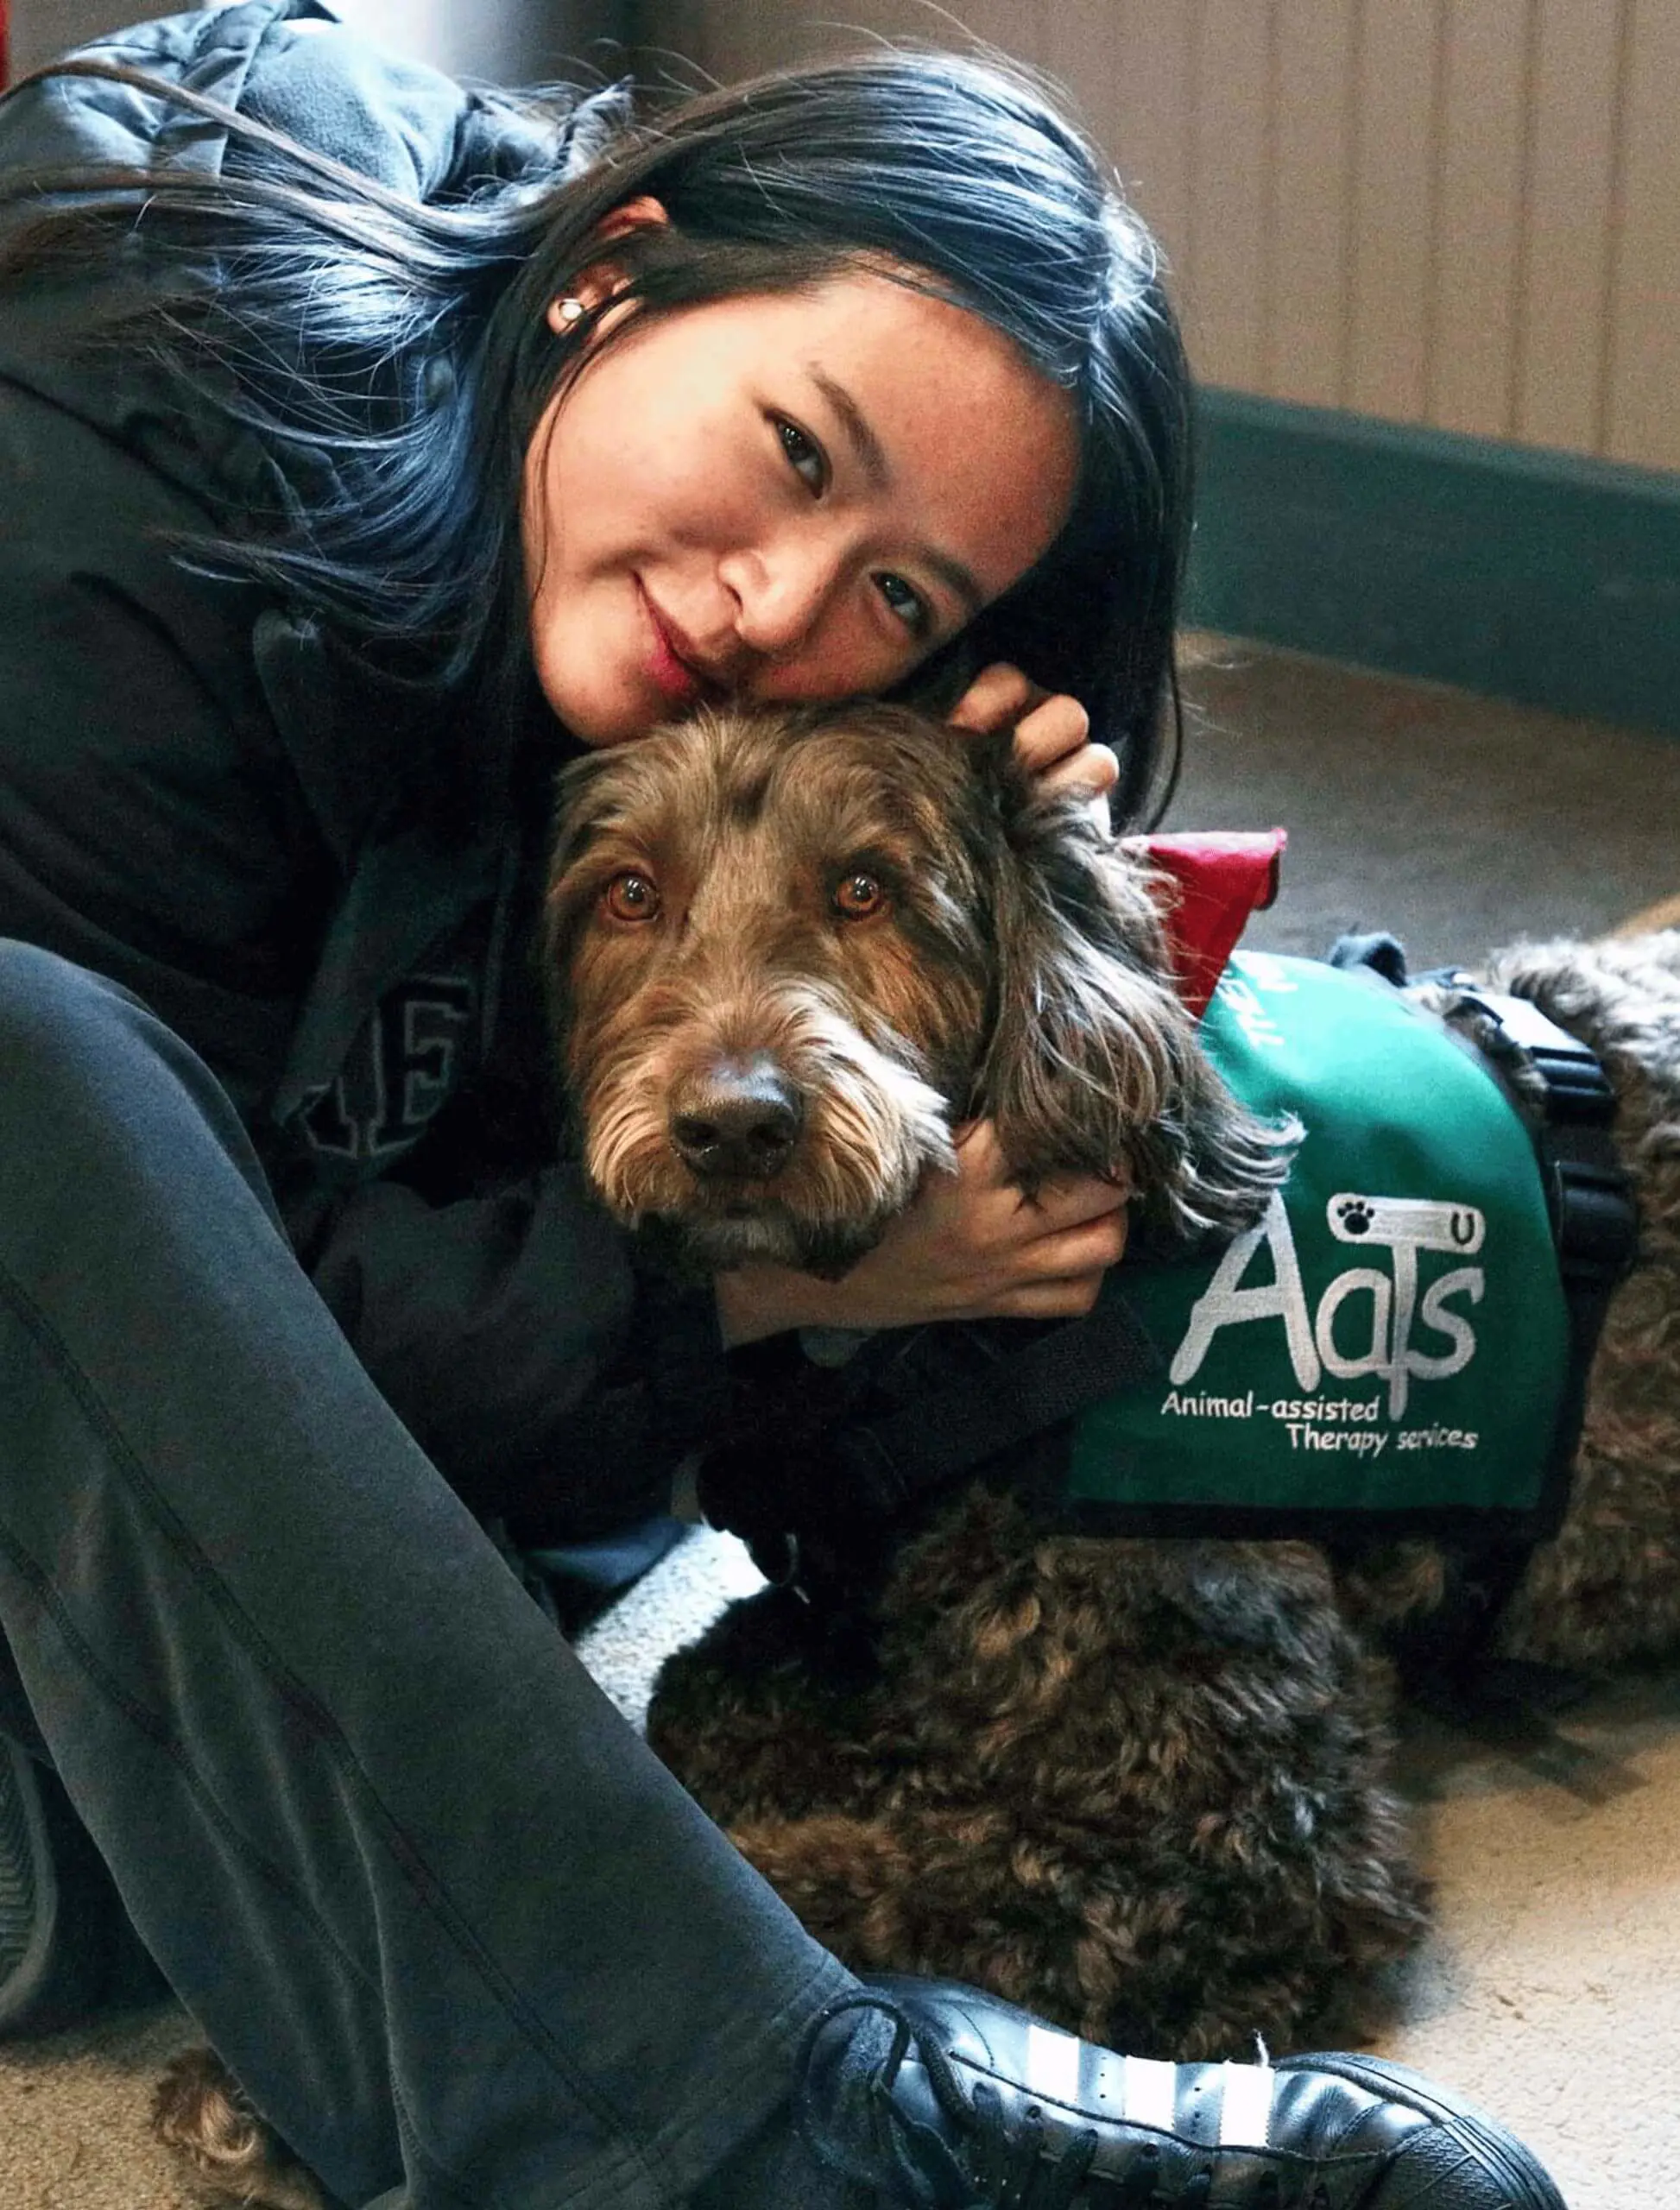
pixel 786 951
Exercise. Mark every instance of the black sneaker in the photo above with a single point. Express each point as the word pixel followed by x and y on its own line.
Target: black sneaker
pixel 927 2093
pixel 65 1942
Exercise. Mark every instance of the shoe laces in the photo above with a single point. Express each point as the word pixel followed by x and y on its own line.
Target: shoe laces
pixel 1010 2156
pixel 1014 2160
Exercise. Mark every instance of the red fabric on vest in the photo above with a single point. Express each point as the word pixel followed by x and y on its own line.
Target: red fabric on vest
pixel 1216 881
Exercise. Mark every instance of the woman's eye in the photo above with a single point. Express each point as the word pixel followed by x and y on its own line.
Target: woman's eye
pixel 805 456
pixel 856 897
pixel 907 602
pixel 631 897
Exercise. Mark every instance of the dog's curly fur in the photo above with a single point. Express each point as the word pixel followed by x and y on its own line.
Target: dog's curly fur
pixel 1136 1786
pixel 1141 1786
pixel 200 2112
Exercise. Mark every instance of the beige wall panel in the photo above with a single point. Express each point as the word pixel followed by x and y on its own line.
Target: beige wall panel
pixel 725 41
pixel 1395 166
pixel 1304 353
pixel 1644 354
pixel 1225 293
pixel 1081 42
pixel 833 29
pixel 1479 224
pixel 1572 170
pixel 1016 26
pixel 744 37
pixel 740 40
pixel 1149 99
pixel 1465 213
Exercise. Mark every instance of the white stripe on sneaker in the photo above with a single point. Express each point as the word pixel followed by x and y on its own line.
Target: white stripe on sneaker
pixel 1152 2088
pixel 1053 2065
pixel 1245 2106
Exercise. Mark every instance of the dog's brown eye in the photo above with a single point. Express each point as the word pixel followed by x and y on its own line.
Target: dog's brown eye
pixel 631 898
pixel 857 896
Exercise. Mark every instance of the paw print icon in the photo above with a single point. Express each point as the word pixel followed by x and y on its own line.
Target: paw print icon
pixel 1421 1223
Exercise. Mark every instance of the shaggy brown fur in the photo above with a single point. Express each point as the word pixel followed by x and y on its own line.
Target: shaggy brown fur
pixel 1136 1786
pixel 788 951
pixel 1141 1787
pixel 201 2112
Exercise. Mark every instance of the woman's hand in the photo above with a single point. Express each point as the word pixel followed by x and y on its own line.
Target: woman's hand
pixel 970 1247
pixel 1053 731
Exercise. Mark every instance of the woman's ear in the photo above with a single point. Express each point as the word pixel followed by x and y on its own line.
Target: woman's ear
pixel 599 280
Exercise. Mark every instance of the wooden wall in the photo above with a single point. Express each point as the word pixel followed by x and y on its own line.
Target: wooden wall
pixel 1463 213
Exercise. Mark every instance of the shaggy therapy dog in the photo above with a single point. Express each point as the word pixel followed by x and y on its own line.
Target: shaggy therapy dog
pixel 1140 1785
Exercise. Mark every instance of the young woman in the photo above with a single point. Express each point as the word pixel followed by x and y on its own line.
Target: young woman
pixel 386 443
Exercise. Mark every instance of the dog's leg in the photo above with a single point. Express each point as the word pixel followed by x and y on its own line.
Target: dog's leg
pixel 200 2111
pixel 1165 1951
pixel 767 1716
pixel 1139 1787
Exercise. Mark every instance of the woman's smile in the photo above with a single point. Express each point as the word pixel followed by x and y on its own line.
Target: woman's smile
pixel 671 665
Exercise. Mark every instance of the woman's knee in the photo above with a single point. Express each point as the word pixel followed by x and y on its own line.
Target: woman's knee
pixel 79 1050
pixel 42 994
pixel 97 1085
pixel 53 1015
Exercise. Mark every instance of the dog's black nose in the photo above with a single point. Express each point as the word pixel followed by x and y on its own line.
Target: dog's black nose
pixel 736 1120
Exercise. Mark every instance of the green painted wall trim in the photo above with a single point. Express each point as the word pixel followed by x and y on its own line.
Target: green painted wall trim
pixel 1535 575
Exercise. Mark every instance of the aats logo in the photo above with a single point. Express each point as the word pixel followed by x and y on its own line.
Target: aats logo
pixel 1382 1320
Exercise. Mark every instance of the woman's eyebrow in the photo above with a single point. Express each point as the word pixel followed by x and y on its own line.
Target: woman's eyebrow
pixel 871 458
pixel 867 449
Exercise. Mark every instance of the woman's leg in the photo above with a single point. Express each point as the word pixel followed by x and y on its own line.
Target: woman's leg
pixel 449 1920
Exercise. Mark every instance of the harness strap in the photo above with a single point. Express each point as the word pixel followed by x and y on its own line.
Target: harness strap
pixel 918 1449
pixel 1590 1197
pixel 1595 1229
pixel 841 1488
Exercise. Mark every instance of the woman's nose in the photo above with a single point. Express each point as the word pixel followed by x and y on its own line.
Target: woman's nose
pixel 780 591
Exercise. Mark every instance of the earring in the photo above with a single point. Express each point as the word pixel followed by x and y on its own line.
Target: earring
pixel 571 313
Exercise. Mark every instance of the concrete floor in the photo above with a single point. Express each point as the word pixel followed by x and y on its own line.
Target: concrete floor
pixel 1458 822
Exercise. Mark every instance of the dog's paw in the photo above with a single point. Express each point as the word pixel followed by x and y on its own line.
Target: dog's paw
pixel 200 2112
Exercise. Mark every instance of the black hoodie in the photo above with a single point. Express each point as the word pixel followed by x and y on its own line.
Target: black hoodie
pixel 207 796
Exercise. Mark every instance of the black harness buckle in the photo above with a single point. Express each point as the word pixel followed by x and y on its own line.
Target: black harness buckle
pixel 1589 1194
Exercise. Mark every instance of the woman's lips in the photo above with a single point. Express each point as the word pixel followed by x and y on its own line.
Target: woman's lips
pixel 679 684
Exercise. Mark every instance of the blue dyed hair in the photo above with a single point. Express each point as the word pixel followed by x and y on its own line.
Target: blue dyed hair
pixel 402 413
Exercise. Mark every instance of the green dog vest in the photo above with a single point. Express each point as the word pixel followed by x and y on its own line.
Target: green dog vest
pixel 1393 1335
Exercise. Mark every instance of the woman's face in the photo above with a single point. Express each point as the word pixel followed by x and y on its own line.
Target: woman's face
pixel 781 496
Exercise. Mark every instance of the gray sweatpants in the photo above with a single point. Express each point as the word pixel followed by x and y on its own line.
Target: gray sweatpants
pixel 461 1936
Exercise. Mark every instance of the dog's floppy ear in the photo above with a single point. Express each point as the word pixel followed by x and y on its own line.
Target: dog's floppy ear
pixel 1094 1064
